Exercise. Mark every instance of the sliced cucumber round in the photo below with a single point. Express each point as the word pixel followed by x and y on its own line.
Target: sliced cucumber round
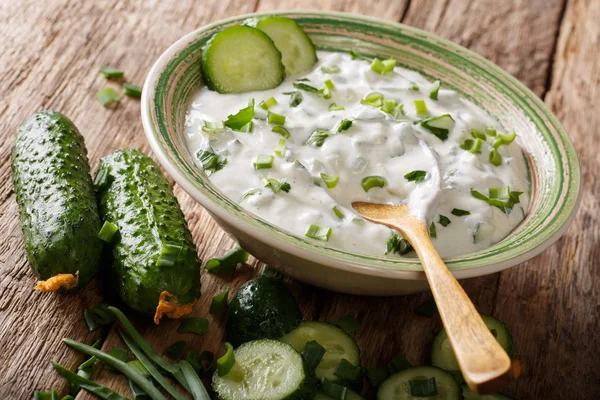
pixel 470 395
pixel 297 50
pixel 443 356
pixel 241 59
pixel 263 369
pixel 398 386
pixel 336 342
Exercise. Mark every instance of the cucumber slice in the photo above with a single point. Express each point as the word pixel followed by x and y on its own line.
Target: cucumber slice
pixel 470 395
pixel 297 50
pixel 241 59
pixel 397 386
pixel 442 354
pixel 264 369
pixel 336 342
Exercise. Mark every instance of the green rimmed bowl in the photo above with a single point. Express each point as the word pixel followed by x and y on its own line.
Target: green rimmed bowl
pixel 555 177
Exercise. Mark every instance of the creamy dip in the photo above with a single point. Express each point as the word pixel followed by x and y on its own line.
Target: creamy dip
pixel 376 144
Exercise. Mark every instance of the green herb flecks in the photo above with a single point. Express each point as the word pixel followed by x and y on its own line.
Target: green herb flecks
pixel 276 185
pixel 373 181
pixel 210 161
pixel 219 302
pixel 111 73
pixel 132 90
pixel 240 119
pixel 318 232
pixel 416 176
pixel 397 244
pixel 108 97
pixel 318 137
pixel 228 261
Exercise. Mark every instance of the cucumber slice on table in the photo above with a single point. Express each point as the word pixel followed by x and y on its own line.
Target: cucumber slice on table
pixel 297 50
pixel 336 342
pixel 241 59
pixel 443 356
pixel 264 369
pixel 470 395
pixel 398 386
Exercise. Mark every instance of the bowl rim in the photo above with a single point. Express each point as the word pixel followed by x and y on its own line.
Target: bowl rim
pixel 354 266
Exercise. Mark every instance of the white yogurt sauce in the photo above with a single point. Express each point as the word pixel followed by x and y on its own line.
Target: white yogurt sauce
pixel 375 144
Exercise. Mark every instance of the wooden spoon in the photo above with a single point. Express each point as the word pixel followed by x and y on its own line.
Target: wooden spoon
pixel 484 364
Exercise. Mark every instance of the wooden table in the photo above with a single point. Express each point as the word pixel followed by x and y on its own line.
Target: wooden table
pixel 49 58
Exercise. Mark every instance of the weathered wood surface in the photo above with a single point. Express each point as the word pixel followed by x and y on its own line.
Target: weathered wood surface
pixel 49 58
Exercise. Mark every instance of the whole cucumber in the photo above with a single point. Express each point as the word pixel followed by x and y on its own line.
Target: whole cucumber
pixel 57 206
pixel 136 197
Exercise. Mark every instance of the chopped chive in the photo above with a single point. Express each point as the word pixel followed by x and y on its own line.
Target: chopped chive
pixel 219 302
pixel 295 98
pixel 397 244
pixel 174 351
pixel 413 86
pixel 503 139
pixel 334 390
pixel 423 387
pixel 477 134
pixel 210 161
pixel 383 67
pixel 338 213
pixel 347 323
pixel 280 149
pixel 107 232
pixel 240 119
pixel 334 107
pixel 331 70
pixel 344 125
pixel 398 363
pixel 247 128
pixel 168 255
pixel 111 73
pixel 197 388
pixel 312 355
pixel 250 192
pixel 439 126
pixel 328 87
pixel 495 158
pixel 318 232
pixel 389 106
pixel 317 137
pixel 281 130
pixel 347 371
pixel 444 221
pixel 376 376
pixel 307 88
pixel 132 90
pixel 198 326
pixel 264 162
pixel 227 262
pixel 374 99
pixel 38 395
pixel 490 130
pixel 434 91
pixel 212 126
pixel 373 181
pixel 266 104
pixel 459 213
pixel 330 180
pixel 84 383
pixel 501 198
pixel 276 185
pixel 355 56
pixel 473 146
pixel 432 230
pixel 276 119
pixel 416 176
pixel 428 308
pixel 226 361
pixel 421 108
pixel 108 97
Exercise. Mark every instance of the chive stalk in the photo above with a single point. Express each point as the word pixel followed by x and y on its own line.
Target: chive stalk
pixel 197 388
pixel 227 262
pixel 373 181
pixel 90 386
pixel 338 213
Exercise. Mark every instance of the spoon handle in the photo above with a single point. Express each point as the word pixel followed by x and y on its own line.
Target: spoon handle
pixel 485 365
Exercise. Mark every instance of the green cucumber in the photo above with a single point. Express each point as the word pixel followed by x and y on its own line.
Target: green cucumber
pixel 336 342
pixel 241 59
pixel 470 395
pixel 398 387
pixel 297 50
pixel 262 308
pixel 57 206
pixel 266 370
pixel 153 253
pixel 443 356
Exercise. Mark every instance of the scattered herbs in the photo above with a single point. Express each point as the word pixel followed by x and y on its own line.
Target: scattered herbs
pixel 318 232
pixel 198 326
pixel 228 261
pixel 444 221
pixel 111 73
pixel 108 97
pixel 219 302
pixel 397 244
pixel 416 176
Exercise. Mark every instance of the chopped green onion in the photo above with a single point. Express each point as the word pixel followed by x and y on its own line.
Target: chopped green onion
pixel 389 106
pixel 459 213
pixel 212 126
pixel 376 376
pixel 247 128
pixel 84 383
pixel 37 395
pixel 374 99
pixel 111 73
pixel 334 390
pixel 444 221
pixel 439 126
pixel 264 162
pixel 98 316
pixel 132 90
pixel 250 192
pixel 435 89
pixel 331 70
pixel 347 323
pixel 139 367
pixel 334 107
pixel 503 139
pixel 198 326
pixel 432 230
pixel 397 244
pixel 174 351
pixel 330 180
pixel 203 363
pixel 338 213
pixel 295 98
pixel 495 158
pixel 414 87
pixel 312 355
pixel 370 182
pixel 307 88
pixel 168 255
pixel 276 185
pixel 282 131
pixel 416 176
pixel 490 130
pixel 280 149
pixel 276 119
pixel 473 146
pixel 219 302
pixel 383 67
pixel 119 353
pixel 345 124
pixel 421 108
pixel 241 119
pixel 428 308
pixel 423 387
pixel 355 56
pixel 108 97
pixel 107 232
pixel 227 262
pixel 197 388
pixel 226 361
pixel 347 371
pixel 329 86
pixel 502 198
pixel 318 232
pixel 210 161
pixel 266 104
pixel 477 134
pixel 317 137
pixel 398 363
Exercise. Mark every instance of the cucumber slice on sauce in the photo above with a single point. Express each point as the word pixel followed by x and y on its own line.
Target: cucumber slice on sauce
pixel 398 386
pixel 263 369
pixel 241 59
pixel 336 342
pixel 297 50
pixel 470 395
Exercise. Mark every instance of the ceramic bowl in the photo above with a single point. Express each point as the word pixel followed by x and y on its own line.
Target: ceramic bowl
pixel 554 168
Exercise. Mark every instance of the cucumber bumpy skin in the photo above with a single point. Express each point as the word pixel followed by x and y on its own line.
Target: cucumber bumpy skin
pixel 135 196
pixel 55 195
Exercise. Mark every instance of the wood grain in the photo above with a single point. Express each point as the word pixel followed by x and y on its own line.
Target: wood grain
pixel 49 56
